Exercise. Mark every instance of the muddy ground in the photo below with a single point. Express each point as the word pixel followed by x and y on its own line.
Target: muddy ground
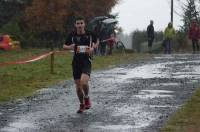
pixel 136 97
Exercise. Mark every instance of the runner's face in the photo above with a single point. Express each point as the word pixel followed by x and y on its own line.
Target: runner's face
pixel 80 24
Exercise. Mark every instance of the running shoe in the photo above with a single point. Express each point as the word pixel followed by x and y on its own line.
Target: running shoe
pixel 87 103
pixel 81 109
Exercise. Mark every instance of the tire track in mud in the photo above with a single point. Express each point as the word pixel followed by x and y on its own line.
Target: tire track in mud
pixel 134 97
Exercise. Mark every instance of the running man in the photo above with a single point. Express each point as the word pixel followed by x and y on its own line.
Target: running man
pixel 82 42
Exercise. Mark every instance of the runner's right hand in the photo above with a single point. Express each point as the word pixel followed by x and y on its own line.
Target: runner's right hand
pixel 72 46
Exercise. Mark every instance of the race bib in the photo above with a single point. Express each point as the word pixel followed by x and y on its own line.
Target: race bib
pixel 82 49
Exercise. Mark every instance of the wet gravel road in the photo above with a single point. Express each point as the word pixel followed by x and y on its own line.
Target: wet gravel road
pixel 137 97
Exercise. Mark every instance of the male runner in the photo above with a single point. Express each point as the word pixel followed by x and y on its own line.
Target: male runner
pixel 82 42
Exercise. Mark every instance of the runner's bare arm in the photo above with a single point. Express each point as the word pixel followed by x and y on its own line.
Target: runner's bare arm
pixel 96 45
pixel 68 47
pixel 90 50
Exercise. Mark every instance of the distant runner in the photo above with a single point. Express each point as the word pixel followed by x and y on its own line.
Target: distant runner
pixel 83 43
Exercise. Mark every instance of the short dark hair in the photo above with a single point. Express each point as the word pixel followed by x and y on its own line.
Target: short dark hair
pixel 79 18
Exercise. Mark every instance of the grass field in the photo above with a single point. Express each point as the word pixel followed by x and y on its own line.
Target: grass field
pixel 18 81
pixel 187 119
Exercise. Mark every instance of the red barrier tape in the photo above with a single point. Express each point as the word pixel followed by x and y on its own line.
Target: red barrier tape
pixel 108 40
pixel 27 61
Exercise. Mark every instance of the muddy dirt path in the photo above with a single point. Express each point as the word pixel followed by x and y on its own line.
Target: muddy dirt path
pixel 137 97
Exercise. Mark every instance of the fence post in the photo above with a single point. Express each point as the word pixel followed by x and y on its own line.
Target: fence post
pixel 52 59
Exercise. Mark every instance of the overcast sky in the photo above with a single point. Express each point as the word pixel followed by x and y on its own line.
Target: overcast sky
pixel 136 14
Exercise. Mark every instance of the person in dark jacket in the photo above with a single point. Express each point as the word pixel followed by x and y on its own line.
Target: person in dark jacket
pixel 193 34
pixel 150 35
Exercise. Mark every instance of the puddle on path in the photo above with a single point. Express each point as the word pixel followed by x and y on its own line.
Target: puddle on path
pixel 145 72
pixel 150 94
pixel 164 84
pixel 162 106
pixel 158 70
pixel 115 127
pixel 18 126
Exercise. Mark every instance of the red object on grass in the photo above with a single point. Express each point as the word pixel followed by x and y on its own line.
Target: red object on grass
pixel 5 42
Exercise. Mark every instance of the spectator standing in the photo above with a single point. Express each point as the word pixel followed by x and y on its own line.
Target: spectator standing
pixel 169 34
pixel 193 34
pixel 150 35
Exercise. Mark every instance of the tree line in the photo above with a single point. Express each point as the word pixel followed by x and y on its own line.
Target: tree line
pixel 40 23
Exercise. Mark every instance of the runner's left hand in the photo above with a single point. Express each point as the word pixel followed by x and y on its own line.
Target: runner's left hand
pixel 90 50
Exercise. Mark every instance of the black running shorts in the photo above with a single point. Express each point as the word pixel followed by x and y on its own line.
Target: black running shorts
pixel 81 67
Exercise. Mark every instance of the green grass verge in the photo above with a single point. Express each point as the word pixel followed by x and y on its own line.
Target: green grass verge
pixel 187 119
pixel 13 55
pixel 18 81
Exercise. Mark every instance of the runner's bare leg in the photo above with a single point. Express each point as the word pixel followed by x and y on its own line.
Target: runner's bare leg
pixel 79 91
pixel 84 84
